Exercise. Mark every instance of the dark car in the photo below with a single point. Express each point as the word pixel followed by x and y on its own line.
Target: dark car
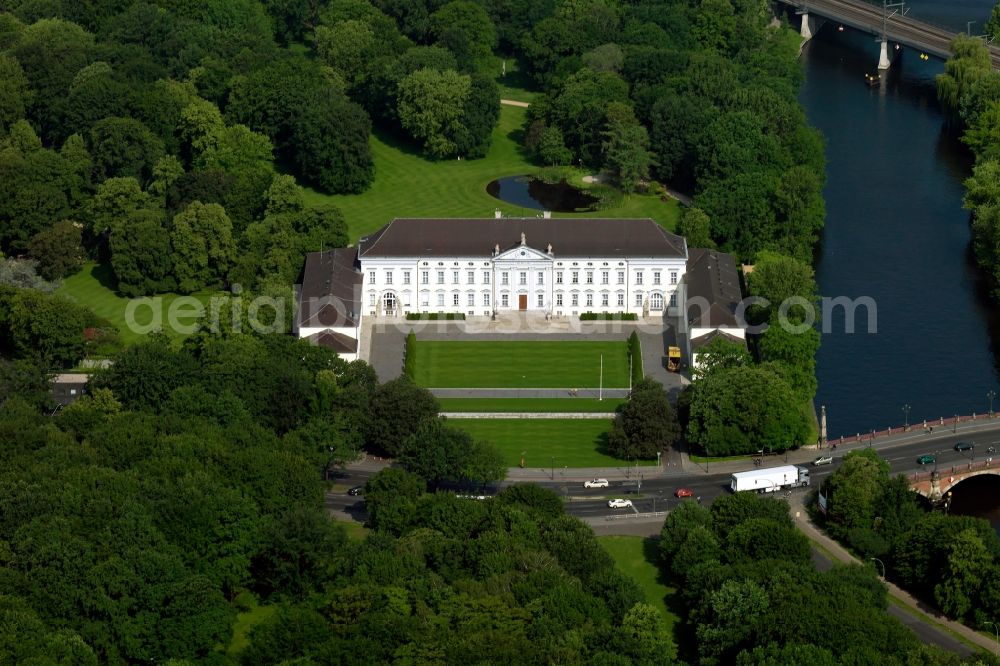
pixel 925 459
pixel 356 490
pixel 964 446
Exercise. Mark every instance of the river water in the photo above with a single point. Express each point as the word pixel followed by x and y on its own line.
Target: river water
pixel 896 232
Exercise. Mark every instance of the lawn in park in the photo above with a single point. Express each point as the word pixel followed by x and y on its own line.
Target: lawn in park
pixel 545 442
pixel 562 364
pixel 410 185
pixel 245 621
pixel 551 405
pixel 93 286
pixel 639 558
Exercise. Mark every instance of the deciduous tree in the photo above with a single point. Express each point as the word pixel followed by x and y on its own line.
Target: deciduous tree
pixel 431 105
pixel 58 249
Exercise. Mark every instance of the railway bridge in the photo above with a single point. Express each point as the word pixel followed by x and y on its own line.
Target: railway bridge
pixel 882 20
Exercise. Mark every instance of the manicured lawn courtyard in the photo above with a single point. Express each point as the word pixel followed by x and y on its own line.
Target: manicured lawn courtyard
pixel 544 442
pixel 94 287
pixel 409 185
pixel 529 404
pixel 561 364
pixel 639 558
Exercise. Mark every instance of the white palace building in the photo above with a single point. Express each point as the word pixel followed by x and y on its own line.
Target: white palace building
pixel 556 267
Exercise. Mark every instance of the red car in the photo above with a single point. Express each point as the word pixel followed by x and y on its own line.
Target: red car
pixel 684 492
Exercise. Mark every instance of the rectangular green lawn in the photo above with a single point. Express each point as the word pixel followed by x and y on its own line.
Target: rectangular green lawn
pixel 536 405
pixel 561 364
pixel 544 442
pixel 639 558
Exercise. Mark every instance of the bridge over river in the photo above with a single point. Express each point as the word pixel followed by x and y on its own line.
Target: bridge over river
pixel 889 26
pixel 936 485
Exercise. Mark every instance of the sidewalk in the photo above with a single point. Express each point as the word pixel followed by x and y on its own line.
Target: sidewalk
pixel 928 615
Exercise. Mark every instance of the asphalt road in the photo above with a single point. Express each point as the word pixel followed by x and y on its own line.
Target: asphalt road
pixel 656 493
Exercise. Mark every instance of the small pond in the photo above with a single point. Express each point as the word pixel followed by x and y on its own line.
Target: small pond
pixel 529 192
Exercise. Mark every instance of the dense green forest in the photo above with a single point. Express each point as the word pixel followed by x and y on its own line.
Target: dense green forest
pixel 174 142
pixel 755 598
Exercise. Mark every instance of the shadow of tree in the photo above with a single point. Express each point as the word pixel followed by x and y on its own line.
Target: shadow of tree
pixel 683 633
pixel 105 276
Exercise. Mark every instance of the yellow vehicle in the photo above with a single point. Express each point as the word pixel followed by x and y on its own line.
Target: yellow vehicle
pixel 673 359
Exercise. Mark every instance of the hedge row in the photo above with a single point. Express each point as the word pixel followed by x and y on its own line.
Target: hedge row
pixel 608 316
pixel 635 353
pixel 409 356
pixel 434 316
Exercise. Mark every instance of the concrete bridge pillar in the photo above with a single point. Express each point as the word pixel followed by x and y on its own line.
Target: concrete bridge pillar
pixel 883 57
pixel 810 25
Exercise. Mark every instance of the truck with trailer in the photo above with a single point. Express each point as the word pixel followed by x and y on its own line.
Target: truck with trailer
pixel 771 479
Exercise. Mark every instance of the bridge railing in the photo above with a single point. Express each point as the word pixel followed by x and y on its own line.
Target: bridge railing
pixel 954 470
pixel 927 426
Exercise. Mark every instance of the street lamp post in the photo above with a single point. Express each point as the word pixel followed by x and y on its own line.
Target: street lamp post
pixel 936 454
pixel 553 461
pixel 996 632
pixel 954 426
pixel 906 417
pixel 600 385
pixel 875 559
pixel 989 396
pixel 658 453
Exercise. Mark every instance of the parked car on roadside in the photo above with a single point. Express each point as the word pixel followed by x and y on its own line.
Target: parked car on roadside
pixel 596 483
pixel 619 503
pixel 823 460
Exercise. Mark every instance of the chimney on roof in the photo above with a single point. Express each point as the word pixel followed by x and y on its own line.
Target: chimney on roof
pixel 524 241
pixel 497 214
pixel 496 249
pixel 546 214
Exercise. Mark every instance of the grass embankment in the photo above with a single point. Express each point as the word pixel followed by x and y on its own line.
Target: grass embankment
pixel 538 405
pixel 94 287
pixel 561 364
pixel 639 558
pixel 546 442
pixel 409 185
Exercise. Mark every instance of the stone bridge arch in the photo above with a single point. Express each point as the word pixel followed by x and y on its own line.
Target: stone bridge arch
pixel 935 485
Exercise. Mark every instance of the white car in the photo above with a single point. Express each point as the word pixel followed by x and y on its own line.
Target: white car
pixel 596 483
pixel 619 503
pixel 823 460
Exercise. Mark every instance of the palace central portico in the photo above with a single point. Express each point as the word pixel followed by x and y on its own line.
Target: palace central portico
pixel 555 266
